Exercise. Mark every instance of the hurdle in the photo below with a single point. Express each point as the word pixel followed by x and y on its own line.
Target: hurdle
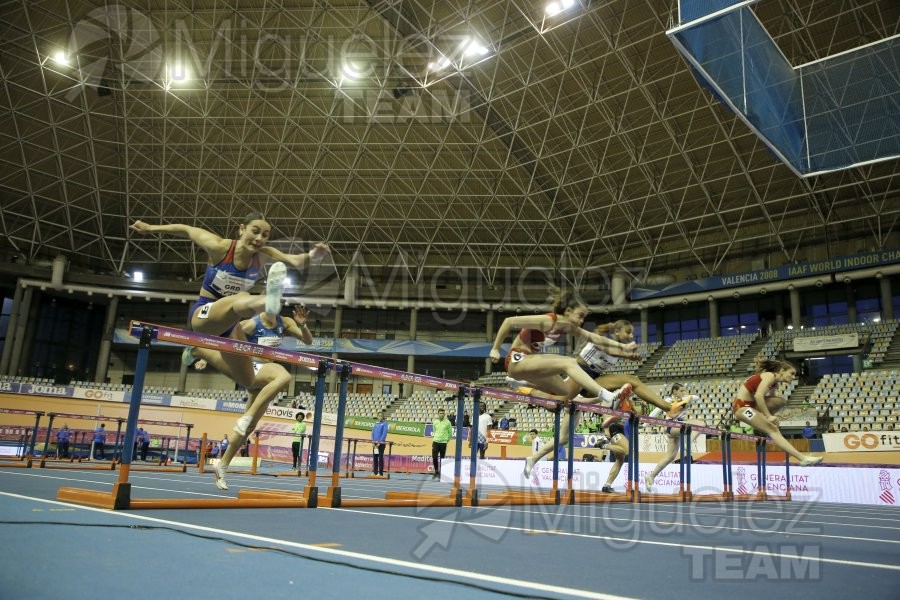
pixel 49 463
pixel 684 479
pixel 631 480
pixel 333 495
pixel 120 496
pixel 350 458
pixel 91 465
pixel 762 488
pixel 24 461
pixel 455 497
pixel 684 485
pixel 760 444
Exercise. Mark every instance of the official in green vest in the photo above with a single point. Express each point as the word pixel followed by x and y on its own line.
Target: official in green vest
pixel 442 431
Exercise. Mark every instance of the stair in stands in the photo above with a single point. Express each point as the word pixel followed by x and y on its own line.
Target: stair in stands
pixel 650 362
pixel 747 362
pixel 800 396
pixel 892 356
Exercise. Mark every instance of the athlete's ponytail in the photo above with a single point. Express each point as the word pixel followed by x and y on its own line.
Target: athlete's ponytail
pixel 561 300
pixel 768 365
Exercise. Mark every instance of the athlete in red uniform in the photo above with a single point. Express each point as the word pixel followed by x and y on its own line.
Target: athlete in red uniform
pixel 544 372
pixel 756 402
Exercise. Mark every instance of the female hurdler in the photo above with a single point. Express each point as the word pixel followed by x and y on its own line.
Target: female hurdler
pixel 224 300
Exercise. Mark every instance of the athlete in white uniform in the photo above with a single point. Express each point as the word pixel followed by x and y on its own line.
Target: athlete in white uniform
pixel 680 411
pixel 598 356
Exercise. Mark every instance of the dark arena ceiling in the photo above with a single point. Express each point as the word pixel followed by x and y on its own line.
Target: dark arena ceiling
pixel 572 145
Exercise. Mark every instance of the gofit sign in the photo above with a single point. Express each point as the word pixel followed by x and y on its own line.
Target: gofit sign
pixel 862 441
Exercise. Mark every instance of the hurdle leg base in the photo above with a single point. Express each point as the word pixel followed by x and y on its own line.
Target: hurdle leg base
pixel 333 497
pixel 119 499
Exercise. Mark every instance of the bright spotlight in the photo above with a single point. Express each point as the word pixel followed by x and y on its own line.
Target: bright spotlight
pixel 556 7
pixel 61 58
pixel 442 63
pixel 179 73
pixel 352 70
pixel 138 275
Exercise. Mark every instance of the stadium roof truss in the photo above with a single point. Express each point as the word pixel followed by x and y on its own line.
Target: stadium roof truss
pixel 415 137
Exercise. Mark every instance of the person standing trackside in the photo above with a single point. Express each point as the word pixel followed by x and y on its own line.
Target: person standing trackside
pixel 62 442
pixel 442 431
pixel 145 444
pixel 299 430
pixel 809 432
pixel 137 441
pixel 484 426
pixel 99 441
pixel 379 436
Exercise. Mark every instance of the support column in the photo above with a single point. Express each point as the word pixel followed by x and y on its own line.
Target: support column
pixel 11 329
pixel 779 312
pixel 31 325
pixel 109 326
pixel 853 317
pixel 338 318
pixel 713 317
pixel 409 388
pixel 19 335
pixel 852 313
pixel 887 299
pixel 489 334
pixel 795 307
pixel 645 323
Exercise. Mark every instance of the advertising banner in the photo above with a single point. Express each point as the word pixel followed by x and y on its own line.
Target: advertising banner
pixel 862 441
pixel 785 272
pixel 400 427
pixel 811 343
pixel 503 437
pixel 853 485
pixel 649 442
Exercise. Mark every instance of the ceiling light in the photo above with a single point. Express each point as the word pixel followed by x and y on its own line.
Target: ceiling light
pixel 471 46
pixel 556 7
pixel 178 73
pixel 61 58
pixel 138 275
pixel 353 70
pixel 441 63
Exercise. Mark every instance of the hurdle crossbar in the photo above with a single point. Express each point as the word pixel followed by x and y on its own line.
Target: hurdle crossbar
pixel 24 461
pixel 333 496
pixel 120 497
pixel 50 463
pixel 177 336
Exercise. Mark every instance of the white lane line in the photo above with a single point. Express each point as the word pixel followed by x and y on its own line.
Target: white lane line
pixel 431 569
pixel 647 542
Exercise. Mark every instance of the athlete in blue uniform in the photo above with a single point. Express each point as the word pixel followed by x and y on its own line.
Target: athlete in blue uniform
pixel 234 266
pixel 265 330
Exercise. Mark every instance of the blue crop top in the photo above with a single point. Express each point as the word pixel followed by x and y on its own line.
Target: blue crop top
pixel 224 279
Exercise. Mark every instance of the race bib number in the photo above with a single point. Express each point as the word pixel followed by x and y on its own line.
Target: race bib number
pixel 272 341
pixel 203 313
pixel 517 356
pixel 749 413
pixel 227 284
